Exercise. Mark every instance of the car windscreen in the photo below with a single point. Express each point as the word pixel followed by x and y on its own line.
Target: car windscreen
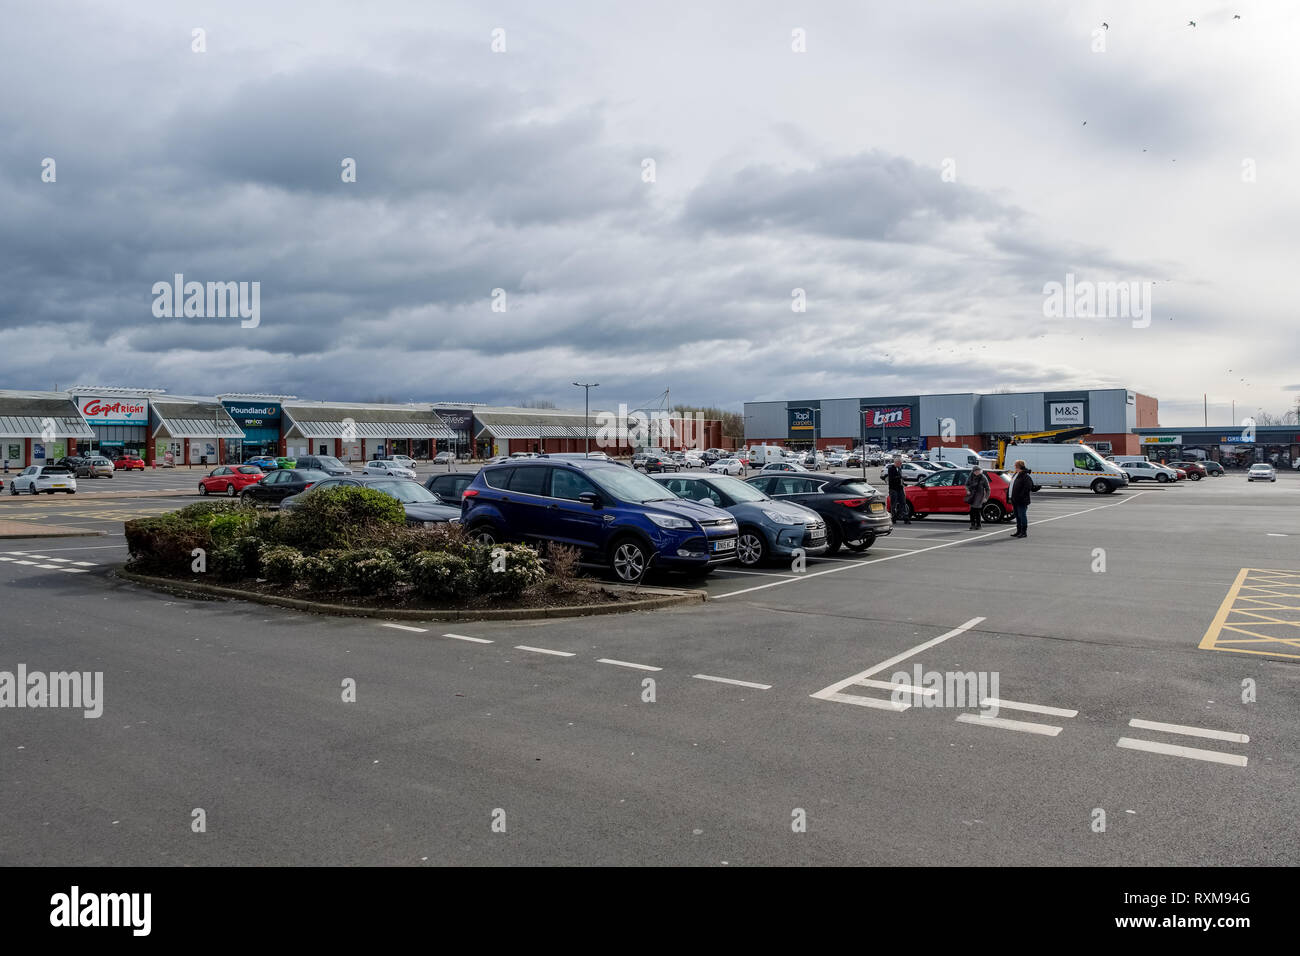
pixel 628 485
pixel 326 462
pixel 855 488
pixel 55 470
pixel 310 474
pixel 407 492
pixel 737 490
pixel 249 470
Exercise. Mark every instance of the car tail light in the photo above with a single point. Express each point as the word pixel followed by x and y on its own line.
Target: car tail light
pixel 469 493
pixel 851 502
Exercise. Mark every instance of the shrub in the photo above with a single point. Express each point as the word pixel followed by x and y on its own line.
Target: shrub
pixel 228 564
pixel 266 527
pixel 165 542
pixel 226 529
pixel 438 575
pixel 250 553
pixel 338 518
pixel 563 563
pixel 204 511
pixel 381 573
pixel 511 570
pixel 280 564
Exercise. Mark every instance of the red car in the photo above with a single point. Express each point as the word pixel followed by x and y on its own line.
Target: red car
pixel 944 492
pixel 127 463
pixel 230 479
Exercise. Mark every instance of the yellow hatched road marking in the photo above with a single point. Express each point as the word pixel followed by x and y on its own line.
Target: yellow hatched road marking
pixel 1249 615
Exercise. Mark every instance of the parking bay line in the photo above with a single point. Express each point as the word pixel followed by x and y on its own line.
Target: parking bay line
pixel 729 680
pixel 640 667
pixel 543 650
pixel 833 691
pixel 1028 708
pixel 1023 726
pixel 1194 753
pixel 466 637
pixel 893 557
pixel 405 627
pixel 1190 731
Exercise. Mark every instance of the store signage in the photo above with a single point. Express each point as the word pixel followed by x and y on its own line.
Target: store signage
pixel 1162 439
pixel 1067 413
pixel 256 415
pixel 801 420
pixel 894 416
pixel 456 421
pixel 113 411
pixel 1236 440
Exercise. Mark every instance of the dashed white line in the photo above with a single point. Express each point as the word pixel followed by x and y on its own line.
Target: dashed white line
pixel 405 627
pixel 1028 708
pixel 640 667
pixel 1193 753
pixel 878 703
pixel 1023 726
pixel 903 688
pixel 543 650
pixel 728 680
pixel 464 637
pixel 1190 731
pixel 84 564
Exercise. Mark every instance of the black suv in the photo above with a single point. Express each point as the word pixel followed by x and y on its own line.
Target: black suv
pixel 649 461
pixel 450 485
pixel 855 512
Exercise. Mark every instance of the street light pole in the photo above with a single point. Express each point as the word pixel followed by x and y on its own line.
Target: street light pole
pixel 586 417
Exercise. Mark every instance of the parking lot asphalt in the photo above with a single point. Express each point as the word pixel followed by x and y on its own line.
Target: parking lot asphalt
pixel 1123 634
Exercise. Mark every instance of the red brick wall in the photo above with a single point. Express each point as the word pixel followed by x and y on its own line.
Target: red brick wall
pixel 1148 412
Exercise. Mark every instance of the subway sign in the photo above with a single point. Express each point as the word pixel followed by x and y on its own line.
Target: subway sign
pixel 802 422
pixel 894 416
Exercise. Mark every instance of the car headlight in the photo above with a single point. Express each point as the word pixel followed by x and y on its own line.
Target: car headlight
pixel 783 517
pixel 668 521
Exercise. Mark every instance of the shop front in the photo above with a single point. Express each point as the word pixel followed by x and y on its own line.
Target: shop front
pixel 119 422
pixel 361 432
pixel 1278 445
pixel 193 432
pixel 38 428
pixel 259 422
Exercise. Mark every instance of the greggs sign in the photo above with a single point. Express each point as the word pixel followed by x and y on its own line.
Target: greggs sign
pixel 898 416
pixel 104 411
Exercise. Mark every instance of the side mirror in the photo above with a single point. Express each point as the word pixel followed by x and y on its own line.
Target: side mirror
pixel 591 498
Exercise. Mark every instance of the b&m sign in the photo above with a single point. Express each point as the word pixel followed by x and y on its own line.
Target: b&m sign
pixel 895 416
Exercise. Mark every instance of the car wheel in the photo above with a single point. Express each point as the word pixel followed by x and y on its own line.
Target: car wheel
pixel 1162 478
pixel 751 547
pixel 230 490
pixel 485 534
pixel 247 501
pixel 32 489
pixel 1194 477
pixel 834 540
pixel 203 490
pixel 13 489
pixel 861 544
pixel 1100 487
pixel 628 560
pixel 992 513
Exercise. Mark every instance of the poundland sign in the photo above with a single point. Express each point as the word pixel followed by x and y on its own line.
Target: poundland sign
pixel 253 415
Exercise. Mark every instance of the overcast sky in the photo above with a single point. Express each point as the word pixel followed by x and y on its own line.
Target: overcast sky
pixel 774 170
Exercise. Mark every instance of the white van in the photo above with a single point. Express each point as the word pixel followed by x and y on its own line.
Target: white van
pixel 1067 466
pixel 766 455
pixel 962 457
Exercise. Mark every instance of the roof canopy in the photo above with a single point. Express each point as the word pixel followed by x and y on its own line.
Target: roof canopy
pixel 27 415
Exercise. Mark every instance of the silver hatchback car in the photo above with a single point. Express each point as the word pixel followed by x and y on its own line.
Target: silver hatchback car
pixel 95 468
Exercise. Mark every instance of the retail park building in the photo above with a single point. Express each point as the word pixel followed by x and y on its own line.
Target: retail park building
pixel 41 427
pixel 1123 422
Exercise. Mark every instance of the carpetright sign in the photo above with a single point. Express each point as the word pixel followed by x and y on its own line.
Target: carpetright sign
pixel 113 411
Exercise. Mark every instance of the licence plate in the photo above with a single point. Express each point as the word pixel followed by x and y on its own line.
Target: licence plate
pixel 725 544
pixel 817 533
pixel 58 484
pixel 877 506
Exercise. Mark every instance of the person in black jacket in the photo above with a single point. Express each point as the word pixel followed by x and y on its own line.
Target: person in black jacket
pixel 897 497
pixel 1021 488
pixel 977 495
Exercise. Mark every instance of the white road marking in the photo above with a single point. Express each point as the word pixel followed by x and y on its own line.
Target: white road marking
pixel 640 667
pixel 728 680
pixel 49 567
pixel 1274 534
pixel 75 570
pixel 894 557
pixel 8 559
pixel 60 560
pixel 1023 726
pixel 895 705
pixel 826 692
pixel 95 547
pixel 1194 753
pixel 84 564
pixel 542 650
pixel 405 627
pixel 904 688
pixel 462 637
pixel 1029 708
pixel 24 562
pixel 762 574
pixel 1190 731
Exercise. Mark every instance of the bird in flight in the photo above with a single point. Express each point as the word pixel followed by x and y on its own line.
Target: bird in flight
pixel 1235 16
pixel 1107 25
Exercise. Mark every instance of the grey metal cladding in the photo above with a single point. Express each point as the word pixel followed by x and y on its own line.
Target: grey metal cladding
pixel 996 411
pixel 960 407
pixel 1108 410
pixel 840 418
pixel 766 420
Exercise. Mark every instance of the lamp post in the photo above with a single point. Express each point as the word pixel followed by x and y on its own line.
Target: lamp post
pixel 586 417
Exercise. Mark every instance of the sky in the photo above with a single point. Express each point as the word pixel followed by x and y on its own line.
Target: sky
pixel 642 195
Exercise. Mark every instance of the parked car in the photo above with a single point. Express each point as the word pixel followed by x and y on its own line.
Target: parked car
pixel 389 468
pixel 515 456
pixel 406 461
pixel 286 462
pixel 230 479
pixel 854 511
pixel 710 455
pixel 93 467
pixel 727 466
pixel 768 528
pixel 1193 469
pixel 326 463
pixel 912 471
pixel 782 466
pixel 47 478
pixel 445 458
pixel 264 462
pixel 70 462
pixel 280 484
pixel 1216 469
pixel 611 514
pixel 1147 471
pixel 945 493
pixel 422 507
pixel 651 462
pixel 1068 466
pixel 128 463
pixel 1262 471
pixel 449 486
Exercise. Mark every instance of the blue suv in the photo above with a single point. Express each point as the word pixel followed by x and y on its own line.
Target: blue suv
pixel 611 513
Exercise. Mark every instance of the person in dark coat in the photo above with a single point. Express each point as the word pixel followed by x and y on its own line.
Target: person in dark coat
pixel 1021 488
pixel 977 495
pixel 897 497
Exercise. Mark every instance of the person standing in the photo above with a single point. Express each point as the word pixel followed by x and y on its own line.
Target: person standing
pixel 1021 488
pixel 977 495
pixel 897 497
